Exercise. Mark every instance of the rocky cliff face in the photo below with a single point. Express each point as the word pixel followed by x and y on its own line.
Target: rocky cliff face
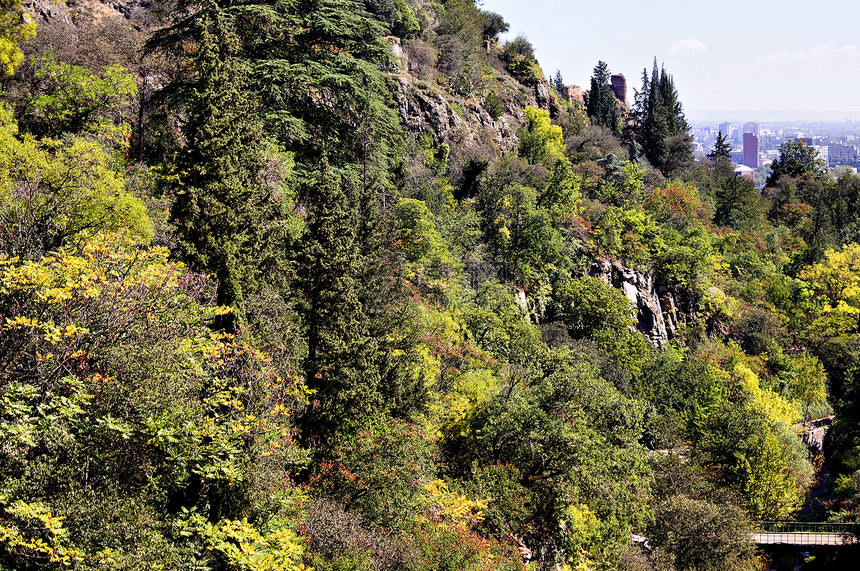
pixel 654 305
pixel 425 107
pixel 71 11
pixel 814 433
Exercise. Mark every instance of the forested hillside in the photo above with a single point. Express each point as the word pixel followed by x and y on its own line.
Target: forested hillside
pixel 349 285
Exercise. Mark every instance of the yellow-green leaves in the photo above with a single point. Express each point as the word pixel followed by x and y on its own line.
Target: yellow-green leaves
pixel 773 407
pixel 31 531
pixel 540 140
pixel 113 392
pixel 773 467
pixel 837 277
pixel 238 544
pixel 430 264
pixel 79 100
pixel 450 509
pixel 16 25
pixel 833 290
pixel 53 193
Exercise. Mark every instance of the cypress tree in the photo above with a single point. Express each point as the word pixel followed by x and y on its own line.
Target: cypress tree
pixel 663 131
pixel 339 366
pixel 602 106
pixel 222 209
pixel 558 85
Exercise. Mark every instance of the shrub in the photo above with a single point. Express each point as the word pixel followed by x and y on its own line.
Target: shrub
pixel 494 105
pixel 377 468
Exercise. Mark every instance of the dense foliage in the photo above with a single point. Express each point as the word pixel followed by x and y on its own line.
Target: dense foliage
pixel 253 318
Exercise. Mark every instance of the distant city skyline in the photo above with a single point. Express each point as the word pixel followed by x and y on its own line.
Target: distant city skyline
pixel 731 60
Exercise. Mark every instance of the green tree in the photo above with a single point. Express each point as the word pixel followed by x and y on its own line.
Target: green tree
pixel 494 24
pixel 55 194
pixel 547 440
pixel 540 140
pixel 520 232
pixel 796 158
pixel 519 56
pixel 738 203
pixel 132 435
pixel 339 368
pixel 74 99
pixel 557 83
pixel 378 468
pixel 314 66
pixel 602 104
pixel 224 209
pixel 398 15
pixel 662 129
pixel 701 536
pixel 591 309
pixel 722 149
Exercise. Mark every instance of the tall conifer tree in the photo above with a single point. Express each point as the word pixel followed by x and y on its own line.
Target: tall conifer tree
pixel 663 131
pixel 339 366
pixel 315 66
pixel 722 150
pixel 222 209
pixel 602 104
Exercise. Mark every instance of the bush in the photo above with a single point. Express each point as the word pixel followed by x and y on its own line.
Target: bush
pixel 421 58
pixel 340 541
pixel 494 105
pixel 519 57
pixel 756 330
pixel 123 415
pixel 377 468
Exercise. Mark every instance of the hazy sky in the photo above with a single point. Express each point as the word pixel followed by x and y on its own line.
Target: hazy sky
pixel 758 59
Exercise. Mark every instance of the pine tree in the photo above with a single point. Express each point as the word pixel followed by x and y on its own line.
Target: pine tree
pixel 722 149
pixel 558 85
pixel 222 209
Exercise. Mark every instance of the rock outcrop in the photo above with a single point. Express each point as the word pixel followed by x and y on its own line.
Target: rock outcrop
pixel 424 109
pixel 814 432
pixel 575 94
pixel 89 10
pixel 545 98
pixel 654 306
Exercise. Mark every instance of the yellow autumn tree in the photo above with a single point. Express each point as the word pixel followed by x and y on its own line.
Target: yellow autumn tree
pixel 773 464
pixel 54 193
pixel 16 25
pixel 540 140
pixel 115 397
pixel 832 291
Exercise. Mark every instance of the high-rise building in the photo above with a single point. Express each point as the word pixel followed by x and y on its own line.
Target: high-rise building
pixel 753 128
pixel 751 150
pixel 841 154
pixel 726 130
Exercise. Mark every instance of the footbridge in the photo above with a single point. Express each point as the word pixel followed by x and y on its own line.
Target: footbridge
pixel 804 533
